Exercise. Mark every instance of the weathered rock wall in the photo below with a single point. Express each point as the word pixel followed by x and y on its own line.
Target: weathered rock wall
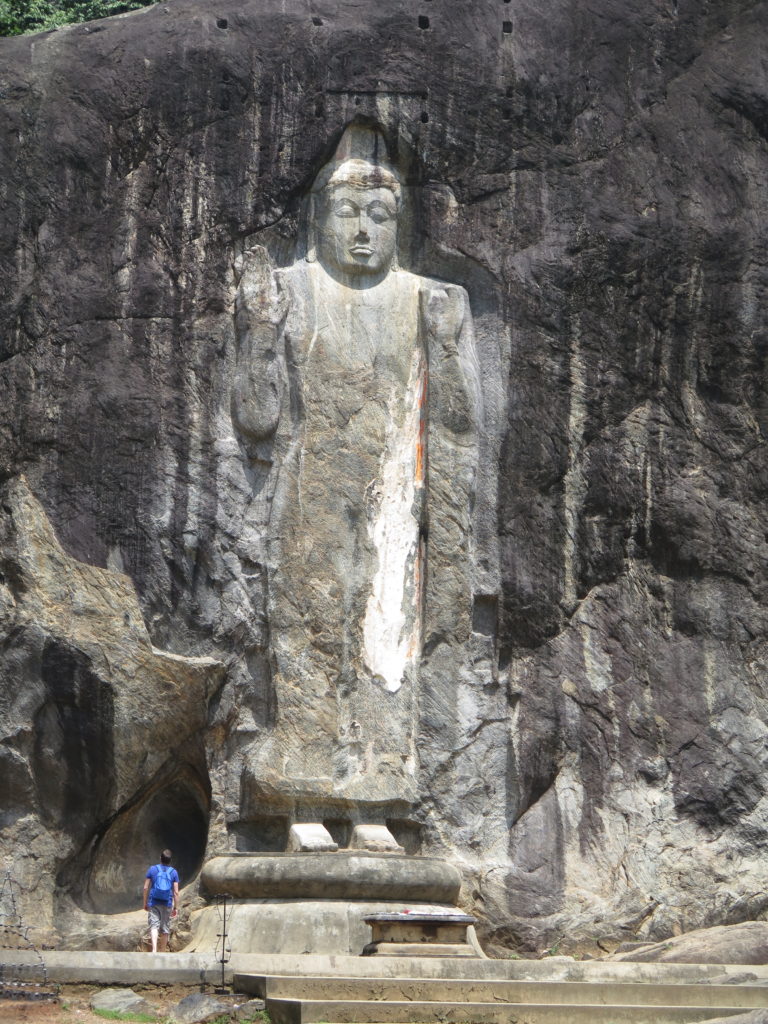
pixel 594 176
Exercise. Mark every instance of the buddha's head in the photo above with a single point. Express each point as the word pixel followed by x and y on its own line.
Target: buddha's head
pixel 353 218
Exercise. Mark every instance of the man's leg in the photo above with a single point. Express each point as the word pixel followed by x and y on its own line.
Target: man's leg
pixel 154 926
pixel 165 928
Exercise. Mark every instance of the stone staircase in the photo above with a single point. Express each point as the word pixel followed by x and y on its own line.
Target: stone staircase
pixel 671 997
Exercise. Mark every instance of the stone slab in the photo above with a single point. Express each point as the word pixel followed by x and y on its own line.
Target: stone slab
pixel 480 990
pixel 307 1012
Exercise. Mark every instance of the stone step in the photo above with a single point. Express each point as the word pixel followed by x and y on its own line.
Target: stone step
pixel 101 967
pixel 548 969
pixel 297 1011
pixel 336 989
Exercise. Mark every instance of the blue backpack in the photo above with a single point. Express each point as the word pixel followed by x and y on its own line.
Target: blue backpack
pixel 162 887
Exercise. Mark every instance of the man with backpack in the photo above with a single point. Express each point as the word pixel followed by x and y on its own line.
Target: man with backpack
pixel 161 900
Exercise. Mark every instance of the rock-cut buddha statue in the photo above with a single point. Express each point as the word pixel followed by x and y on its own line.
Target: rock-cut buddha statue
pixel 350 369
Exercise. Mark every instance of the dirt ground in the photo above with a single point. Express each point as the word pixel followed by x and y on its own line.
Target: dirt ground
pixel 72 1005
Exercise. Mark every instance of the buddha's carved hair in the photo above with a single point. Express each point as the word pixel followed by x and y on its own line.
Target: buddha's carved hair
pixel 359 174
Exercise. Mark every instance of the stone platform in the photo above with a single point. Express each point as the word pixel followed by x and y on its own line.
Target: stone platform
pixel 670 998
pixel 107 968
pixel 313 903
pixel 299 926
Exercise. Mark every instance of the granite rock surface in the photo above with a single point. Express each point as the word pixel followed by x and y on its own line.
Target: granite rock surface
pixel 120 1000
pixel 724 944
pixel 590 724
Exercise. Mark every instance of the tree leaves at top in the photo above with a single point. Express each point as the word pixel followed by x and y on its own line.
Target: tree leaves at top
pixel 19 16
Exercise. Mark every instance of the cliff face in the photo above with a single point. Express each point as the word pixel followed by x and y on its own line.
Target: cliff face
pixel 592 750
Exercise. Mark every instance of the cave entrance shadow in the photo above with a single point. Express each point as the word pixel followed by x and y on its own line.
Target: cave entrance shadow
pixel 173 814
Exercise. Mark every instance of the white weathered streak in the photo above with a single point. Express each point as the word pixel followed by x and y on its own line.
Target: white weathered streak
pixel 392 622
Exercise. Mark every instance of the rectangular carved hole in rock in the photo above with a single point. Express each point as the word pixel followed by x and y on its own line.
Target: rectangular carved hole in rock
pixel 340 829
pixel 485 613
pixel 264 834
pixel 407 833
pixel 423 21
pixel 506 26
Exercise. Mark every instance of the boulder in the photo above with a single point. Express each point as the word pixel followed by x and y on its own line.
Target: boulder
pixel 120 1000
pixel 248 1011
pixel 198 1008
pixel 727 944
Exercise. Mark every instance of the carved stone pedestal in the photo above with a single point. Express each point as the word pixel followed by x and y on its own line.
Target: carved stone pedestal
pixel 419 934
pixel 320 902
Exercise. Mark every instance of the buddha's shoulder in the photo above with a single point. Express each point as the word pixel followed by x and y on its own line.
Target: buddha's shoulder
pixel 297 276
pixel 423 282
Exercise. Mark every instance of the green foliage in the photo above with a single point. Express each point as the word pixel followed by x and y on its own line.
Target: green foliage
pixel 142 1018
pixel 20 16
pixel 259 1017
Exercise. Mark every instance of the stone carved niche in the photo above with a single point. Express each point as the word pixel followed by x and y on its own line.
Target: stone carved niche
pixel 357 384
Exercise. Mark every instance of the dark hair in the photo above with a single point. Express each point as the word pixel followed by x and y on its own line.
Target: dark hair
pixel 165 857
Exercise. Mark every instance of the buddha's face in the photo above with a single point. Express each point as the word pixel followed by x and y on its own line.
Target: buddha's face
pixel 357 229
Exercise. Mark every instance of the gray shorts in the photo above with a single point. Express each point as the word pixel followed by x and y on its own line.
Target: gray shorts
pixel 160 917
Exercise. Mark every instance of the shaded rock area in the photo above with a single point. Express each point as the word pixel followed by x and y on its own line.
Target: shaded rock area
pixel 94 776
pixel 590 737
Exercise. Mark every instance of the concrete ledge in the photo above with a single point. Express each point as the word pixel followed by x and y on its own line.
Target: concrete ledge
pixel 102 968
